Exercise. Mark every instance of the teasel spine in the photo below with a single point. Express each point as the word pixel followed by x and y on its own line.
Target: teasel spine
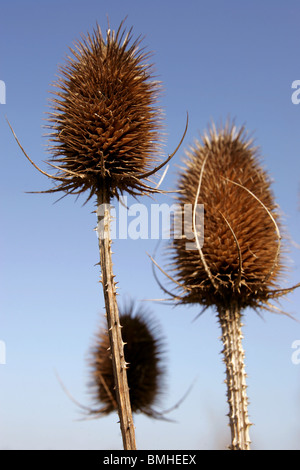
pixel 113 322
pixel 233 357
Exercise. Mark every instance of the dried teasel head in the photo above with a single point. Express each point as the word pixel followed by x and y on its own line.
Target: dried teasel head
pixel 144 353
pixel 105 122
pixel 240 260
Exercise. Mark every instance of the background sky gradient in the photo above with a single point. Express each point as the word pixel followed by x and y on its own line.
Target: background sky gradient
pixel 216 59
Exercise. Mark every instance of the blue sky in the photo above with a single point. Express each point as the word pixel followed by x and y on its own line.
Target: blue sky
pixel 215 59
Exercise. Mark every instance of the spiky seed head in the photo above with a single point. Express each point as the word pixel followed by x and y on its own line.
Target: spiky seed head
pixel 144 354
pixel 105 123
pixel 239 260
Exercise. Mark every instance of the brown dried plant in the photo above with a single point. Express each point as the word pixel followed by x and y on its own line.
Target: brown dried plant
pixel 105 122
pixel 240 262
pixel 144 351
pixel 106 132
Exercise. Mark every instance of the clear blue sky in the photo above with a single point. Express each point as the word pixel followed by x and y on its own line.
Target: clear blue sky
pixel 216 59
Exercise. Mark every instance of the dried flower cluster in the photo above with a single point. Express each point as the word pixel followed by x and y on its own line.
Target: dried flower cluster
pixel 240 259
pixel 105 123
pixel 144 351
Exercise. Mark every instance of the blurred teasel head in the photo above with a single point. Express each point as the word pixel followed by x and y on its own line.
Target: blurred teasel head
pixel 240 260
pixel 144 351
pixel 105 121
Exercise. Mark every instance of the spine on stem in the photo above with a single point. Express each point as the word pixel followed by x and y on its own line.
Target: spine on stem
pixel 113 323
pixel 233 353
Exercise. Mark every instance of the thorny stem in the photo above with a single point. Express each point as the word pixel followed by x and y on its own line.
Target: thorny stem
pixel 113 323
pixel 230 321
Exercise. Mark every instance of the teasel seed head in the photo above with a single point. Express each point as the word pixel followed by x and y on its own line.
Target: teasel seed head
pixel 144 351
pixel 105 121
pixel 240 261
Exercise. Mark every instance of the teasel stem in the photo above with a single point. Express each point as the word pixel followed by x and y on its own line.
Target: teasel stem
pixel 230 322
pixel 113 322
